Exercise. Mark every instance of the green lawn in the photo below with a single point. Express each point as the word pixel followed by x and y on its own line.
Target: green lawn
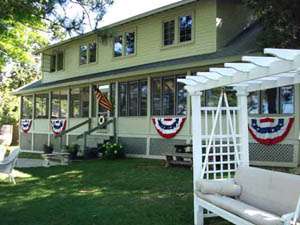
pixel 125 192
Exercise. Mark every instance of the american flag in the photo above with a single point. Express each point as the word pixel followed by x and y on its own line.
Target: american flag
pixel 103 100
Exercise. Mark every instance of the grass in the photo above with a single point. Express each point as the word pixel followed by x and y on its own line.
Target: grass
pixel 132 191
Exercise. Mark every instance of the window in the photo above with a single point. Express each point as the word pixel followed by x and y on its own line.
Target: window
pixel 272 101
pixel 181 98
pixel 52 63
pixel 118 46
pixel 59 104
pixel 79 104
pixel 92 52
pixel 254 102
pixel 41 106
pixel 133 98
pixel 123 99
pixel 212 97
pixel 57 62
pixel 185 28
pixel 110 92
pixel 287 100
pixel 26 107
pixel 168 97
pixel 83 54
pixel 88 53
pixel 129 42
pixel 169 32
pixel 60 61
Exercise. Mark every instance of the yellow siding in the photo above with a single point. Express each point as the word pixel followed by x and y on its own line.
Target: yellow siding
pixel 149 38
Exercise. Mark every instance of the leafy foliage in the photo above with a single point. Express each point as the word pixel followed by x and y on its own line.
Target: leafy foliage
pixel 281 21
pixel 112 151
pixel 26 24
pixel 9 104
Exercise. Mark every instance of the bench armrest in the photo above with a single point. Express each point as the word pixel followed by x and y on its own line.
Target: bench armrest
pixel 292 218
pixel 297 212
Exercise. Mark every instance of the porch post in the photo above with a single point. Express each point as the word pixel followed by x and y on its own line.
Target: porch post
pixel 197 153
pixel 242 95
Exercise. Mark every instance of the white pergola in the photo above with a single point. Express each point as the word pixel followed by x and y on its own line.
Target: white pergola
pixel 229 125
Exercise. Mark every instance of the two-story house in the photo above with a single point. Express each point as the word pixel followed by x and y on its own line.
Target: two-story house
pixel 137 62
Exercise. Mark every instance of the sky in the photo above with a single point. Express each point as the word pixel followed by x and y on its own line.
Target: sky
pixel 123 9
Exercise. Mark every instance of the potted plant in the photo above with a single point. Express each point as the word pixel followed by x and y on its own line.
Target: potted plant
pixel 48 149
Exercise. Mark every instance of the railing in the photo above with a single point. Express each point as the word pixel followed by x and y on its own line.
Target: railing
pixel 86 133
pixel 88 121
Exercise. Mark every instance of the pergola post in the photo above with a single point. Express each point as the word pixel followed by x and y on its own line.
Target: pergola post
pixel 242 95
pixel 197 153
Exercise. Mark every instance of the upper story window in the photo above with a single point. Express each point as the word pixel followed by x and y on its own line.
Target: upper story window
pixel 41 106
pixel 118 46
pixel 88 53
pixel 57 62
pixel 59 104
pixel 79 104
pixel 133 98
pixel 177 31
pixel 124 44
pixel 168 96
pixel 169 32
pixel 26 107
pixel 185 28
pixel 272 101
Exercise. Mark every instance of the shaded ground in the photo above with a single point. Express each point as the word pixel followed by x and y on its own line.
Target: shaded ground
pixel 126 192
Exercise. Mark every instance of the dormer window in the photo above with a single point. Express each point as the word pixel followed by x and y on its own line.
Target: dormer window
pixel 57 62
pixel 88 53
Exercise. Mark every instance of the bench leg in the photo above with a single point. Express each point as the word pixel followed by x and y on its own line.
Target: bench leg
pixel 198 213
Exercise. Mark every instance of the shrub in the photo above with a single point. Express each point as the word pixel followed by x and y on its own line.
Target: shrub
pixel 48 149
pixel 73 151
pixel 112 151
pixel 91 153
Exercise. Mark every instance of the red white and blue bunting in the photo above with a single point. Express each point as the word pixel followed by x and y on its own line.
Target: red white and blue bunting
pixel 26 125
pixel 168 127
pixel 270 131
pixel 58 126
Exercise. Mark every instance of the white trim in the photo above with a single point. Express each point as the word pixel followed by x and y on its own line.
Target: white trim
pixel 223 213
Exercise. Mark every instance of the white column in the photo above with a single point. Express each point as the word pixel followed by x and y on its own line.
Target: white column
pixel 90 100
pixel 242 95
pixel 197 153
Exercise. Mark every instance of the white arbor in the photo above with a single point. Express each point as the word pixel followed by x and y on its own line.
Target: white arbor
pixel 220 134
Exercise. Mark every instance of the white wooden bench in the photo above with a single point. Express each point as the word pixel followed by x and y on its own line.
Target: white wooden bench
pixel 255 196
pixel 62 158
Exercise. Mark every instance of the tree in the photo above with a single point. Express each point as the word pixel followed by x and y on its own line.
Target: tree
pixel 26 24
pixel 281 22
pixel 20 75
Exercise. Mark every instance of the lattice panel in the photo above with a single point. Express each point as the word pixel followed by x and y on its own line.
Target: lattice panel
pixel 271 153
pixel 224 155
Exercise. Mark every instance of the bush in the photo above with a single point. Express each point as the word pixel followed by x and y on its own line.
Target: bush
pixel 48 149
pixel 91 153
pixel 112 151
pixel 73 151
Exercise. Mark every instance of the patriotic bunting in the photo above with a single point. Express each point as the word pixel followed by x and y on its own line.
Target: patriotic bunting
pixel 168 127
pixel 270 131
pixel 58 126
pixel 26 125
pixel 103 100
